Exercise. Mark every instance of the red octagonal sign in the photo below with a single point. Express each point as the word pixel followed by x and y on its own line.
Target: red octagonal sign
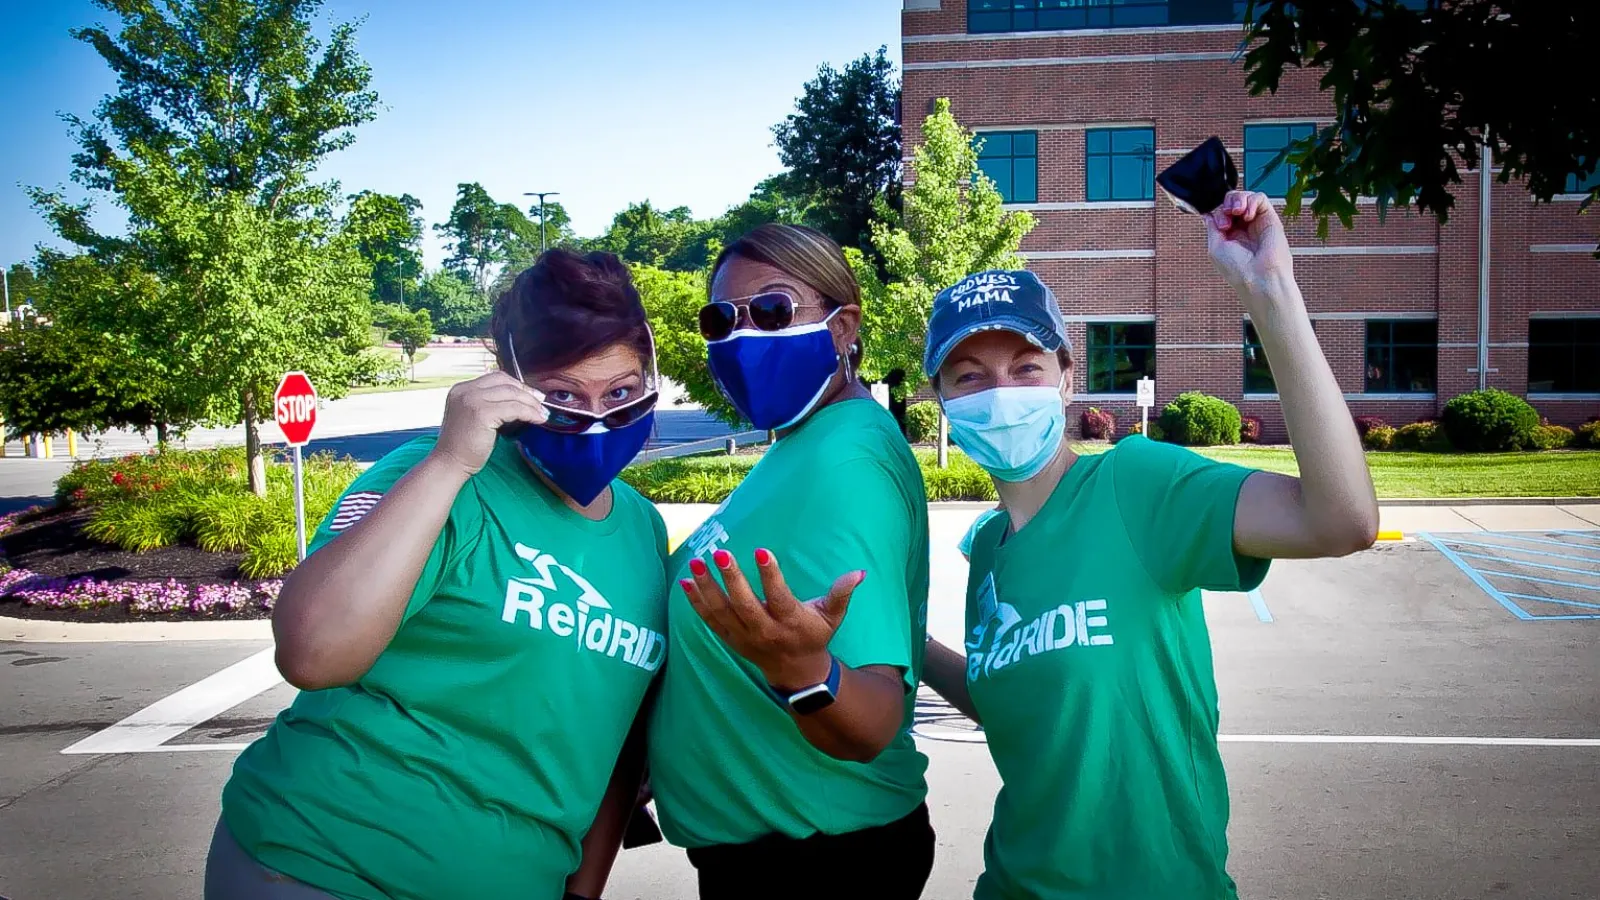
pixel 294 406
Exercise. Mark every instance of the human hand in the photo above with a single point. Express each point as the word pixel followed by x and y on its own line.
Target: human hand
pixel 474 412
pixel 1248 244
pixel 785 638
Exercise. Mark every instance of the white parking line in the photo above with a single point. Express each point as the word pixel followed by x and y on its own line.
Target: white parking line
pixel 150 728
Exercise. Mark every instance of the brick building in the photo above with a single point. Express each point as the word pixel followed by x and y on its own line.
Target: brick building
pixel 1079 104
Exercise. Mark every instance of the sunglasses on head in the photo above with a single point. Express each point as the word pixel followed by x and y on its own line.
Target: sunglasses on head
pixel 770 311
pixel 577 421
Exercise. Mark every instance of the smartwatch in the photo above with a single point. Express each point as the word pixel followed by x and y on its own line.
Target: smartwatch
pixel 809 700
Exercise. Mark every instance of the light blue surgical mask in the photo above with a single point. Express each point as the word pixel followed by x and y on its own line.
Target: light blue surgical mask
pixel 1012 432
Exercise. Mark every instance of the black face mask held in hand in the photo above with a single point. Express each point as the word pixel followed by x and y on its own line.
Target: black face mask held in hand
pixel 1201 180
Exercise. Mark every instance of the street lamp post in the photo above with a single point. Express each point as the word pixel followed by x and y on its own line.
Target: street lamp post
pixel 541 195
pixel 6 283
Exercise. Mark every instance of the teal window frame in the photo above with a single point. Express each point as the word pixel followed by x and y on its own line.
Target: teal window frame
pixel 1562 354
pixel 1117 355
pixel 1001 16
pixel 1011 160
pixel 1402 356
pixel 1119 164
pixel 1262 144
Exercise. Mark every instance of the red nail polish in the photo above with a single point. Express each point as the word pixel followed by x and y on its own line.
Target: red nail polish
pixel 698 566
pixel 763 557
pixel 723 558
pixel 686 584
pixel 861 576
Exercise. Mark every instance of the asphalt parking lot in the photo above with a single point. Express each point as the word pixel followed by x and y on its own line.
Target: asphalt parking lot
pixel 1392 729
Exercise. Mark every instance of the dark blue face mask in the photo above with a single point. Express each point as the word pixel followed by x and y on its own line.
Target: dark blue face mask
pixel 583 465
pixel 773 378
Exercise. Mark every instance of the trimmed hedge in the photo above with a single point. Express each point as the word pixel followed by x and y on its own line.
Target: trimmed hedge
pixel 1589 435
pixel 1422 437
pixel 1552 437
pixel 1365 424
pixel 922 421
pixel 1378 437
pixel 1490 421
pixel 1200 420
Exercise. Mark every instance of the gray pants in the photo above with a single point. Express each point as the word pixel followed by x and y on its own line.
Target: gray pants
pixel 232 874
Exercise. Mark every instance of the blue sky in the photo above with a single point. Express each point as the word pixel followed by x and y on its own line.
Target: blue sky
pixel 606 101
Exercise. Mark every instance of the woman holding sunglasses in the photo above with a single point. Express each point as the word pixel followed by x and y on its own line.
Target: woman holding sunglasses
pixel 780 749
pixel 474 634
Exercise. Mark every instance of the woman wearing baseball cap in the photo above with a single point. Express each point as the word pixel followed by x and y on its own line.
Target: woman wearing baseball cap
pixel 1087 658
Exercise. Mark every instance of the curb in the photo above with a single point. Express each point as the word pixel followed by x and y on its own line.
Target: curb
pixel 49 631
pixel 1494 501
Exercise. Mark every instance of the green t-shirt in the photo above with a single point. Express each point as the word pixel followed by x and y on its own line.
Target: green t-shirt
pixel 727 764
pixel 471 759
pixel 1089 662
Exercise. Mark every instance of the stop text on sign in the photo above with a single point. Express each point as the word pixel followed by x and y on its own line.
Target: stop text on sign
pixel 301 408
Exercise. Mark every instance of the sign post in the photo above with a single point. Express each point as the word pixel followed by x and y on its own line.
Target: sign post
pixel 294 406
pixel 1147 399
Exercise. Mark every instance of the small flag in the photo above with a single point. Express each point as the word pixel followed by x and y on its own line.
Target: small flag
pixel 352 508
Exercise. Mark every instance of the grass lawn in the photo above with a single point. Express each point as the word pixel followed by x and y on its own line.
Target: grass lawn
pixel 421 384
pixel 396 353
pixel 1407 476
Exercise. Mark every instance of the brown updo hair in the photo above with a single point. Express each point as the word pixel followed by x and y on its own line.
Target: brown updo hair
pixel 805 254
pixel 566 307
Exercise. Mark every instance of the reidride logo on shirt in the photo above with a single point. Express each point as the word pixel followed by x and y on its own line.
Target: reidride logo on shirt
pixel 1066 626
pixel 588 620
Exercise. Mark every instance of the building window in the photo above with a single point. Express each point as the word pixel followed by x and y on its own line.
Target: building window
pixel 1120 164
pixel 1262 144
pixel 1562 356
pixel 1402 356
pixel 989 16
pixel 1011 159
pixel 1119 354
pixel 1576 185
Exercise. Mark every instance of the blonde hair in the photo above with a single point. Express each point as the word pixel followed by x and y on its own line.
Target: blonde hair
pixel 802 253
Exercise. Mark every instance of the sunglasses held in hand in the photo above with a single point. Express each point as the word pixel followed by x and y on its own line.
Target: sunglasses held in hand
pixel 577 421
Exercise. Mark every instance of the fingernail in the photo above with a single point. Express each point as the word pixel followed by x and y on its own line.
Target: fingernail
pixel 861 576
pixel 698 566
pixel 686 584
pixel 763 557
pixel 724 559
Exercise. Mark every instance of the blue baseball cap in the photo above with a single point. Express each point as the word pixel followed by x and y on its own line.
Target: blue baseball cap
pixel 999 299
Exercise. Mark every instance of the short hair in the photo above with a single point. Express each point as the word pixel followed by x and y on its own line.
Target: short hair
pixel 566 307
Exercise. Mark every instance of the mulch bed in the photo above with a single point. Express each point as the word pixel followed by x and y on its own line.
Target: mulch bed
pixel 54 545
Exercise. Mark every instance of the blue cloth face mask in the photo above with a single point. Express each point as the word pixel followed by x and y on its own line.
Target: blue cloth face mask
pixel 773 378
pixel 583 465
pixel 1012 432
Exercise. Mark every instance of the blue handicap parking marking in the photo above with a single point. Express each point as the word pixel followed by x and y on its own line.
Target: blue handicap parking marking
pixel 1543 575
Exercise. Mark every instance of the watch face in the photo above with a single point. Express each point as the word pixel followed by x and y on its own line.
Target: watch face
pixel 809 701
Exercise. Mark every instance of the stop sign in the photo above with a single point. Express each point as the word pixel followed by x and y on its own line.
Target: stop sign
pixel 294 406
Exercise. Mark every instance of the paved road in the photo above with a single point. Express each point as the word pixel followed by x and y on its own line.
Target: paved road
pixel 1392 732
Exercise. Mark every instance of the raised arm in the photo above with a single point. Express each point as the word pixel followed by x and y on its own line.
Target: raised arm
pixel 1331 509
pixel 341 607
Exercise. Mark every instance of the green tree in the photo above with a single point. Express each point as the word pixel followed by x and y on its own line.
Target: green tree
pixel 673 300
pixel 21 286
pixel 672 239
pixel 222 112
pixel 842 145
pixel 388 235
pixel 952 225
pixel 775 199
pixel 452 304
pixel 411 329
pixel 1418 91
pixel 482 233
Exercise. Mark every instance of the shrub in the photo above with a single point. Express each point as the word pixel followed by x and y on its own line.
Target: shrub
pixel 922 421
pixel 1589 435
pixel 374 366
pixel 1157 433
pixel 1365 424
pixel 1422 437
pixel 1200 420
pixel 141 524
pixel 962 480
pixel 225 522
pixel 1551 437
pixel 1379 437
pixel 1097 425
pixel 1250 429
pixel 270 553
pixel 1490 420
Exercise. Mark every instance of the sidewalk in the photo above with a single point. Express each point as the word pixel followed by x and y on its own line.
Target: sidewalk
pixel 1583 516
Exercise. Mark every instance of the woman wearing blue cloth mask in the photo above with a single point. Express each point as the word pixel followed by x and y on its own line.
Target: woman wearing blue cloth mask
pixel 780 746
pixel 1087 658
pixel 474 634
